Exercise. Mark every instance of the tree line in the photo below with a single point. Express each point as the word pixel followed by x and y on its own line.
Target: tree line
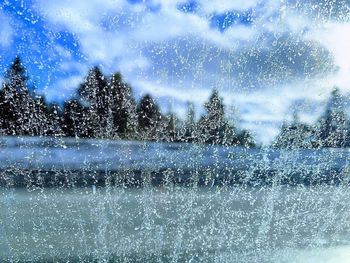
pixel 104 107
pixel 332 129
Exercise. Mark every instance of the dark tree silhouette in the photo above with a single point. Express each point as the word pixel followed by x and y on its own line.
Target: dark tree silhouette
pixel 296 135
pixel 190 124
pixel 15 104
pixel 169 132
pixel 21 113
pixel 105 108
pixel 123 107
pixel 213 128
pixel 73 118
pixel 149 116
pixel 333 125
pixel 40 115
pixel 94 94
pixel 331 130
pixel 54 119
pixel 245 139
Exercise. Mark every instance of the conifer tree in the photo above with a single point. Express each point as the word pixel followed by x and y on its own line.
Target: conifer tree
pixel 333 125
pixel 149 117
pixel 123 107
pixel 73 120
pixel 190 124
pixel 54 119
pixel 213 126
pixel 20 110
pixel 93 94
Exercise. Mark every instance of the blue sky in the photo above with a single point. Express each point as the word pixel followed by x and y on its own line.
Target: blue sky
pixel 267 58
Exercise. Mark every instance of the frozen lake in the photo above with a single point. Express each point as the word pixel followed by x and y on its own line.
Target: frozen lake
pixel 52 162
pixel 280 224
pixel 68 200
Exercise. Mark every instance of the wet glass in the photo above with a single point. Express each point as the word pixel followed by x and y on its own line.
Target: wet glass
pixel 174 131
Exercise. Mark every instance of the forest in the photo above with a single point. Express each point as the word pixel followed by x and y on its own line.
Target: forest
pixel 105 107
pixel 332 129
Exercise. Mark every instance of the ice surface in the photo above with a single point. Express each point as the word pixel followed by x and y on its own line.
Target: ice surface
pixel 233 164
pixel 179 224
pixel 282 218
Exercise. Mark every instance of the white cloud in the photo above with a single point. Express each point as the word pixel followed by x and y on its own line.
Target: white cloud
pixel 195 95
pixel 335 37
pixel 263 68
pixel 63 89
pixel 133 27
pixel 221 6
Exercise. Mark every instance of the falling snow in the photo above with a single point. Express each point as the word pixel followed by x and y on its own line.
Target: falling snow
pixel 174 131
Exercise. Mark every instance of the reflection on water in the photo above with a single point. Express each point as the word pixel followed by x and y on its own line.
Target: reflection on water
pixel 226 224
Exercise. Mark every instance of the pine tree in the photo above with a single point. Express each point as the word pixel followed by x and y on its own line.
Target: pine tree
pixel 333 125
pixel 296 135
pixel 168 130
pixel 4 114
pixel 73 120
pixel 190 124
pixel 93 93
pixel 54 120
pixel 123 107
pixel 19 108
pixel 245 139
pixel 213 126
pixel 149 117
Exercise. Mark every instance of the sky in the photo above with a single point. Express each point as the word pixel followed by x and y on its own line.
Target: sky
pixel 267 58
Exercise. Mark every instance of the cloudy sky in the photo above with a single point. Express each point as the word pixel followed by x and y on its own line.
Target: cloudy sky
pixel 268 58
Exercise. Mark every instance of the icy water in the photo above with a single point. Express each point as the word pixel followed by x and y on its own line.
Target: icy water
pixel 59 203
pixel 52 162
pixel 175 224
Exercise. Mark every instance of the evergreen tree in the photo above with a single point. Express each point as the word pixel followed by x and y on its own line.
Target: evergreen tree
pixel 123 107
pixel 168 130
pixel 3 121
pixel 149 117
pixel 15 84
pixel 54 119
pixel 171 128
pixel 74 120
pixel 296 135
pixel 213 127
pixel 8 117
pixel 40 117
pixel 245 139
pixel 105 109
pixel 93 93
pixel 190 124
pixel 333 125
pixel 20 111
